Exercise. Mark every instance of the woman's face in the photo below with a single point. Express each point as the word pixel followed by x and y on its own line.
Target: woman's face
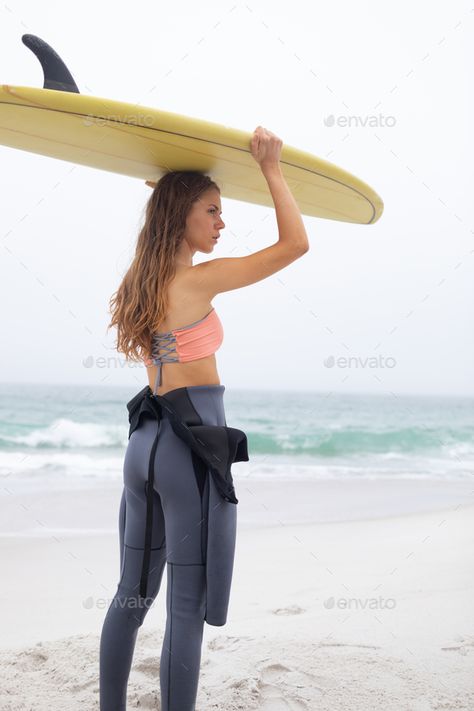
pixel 204 222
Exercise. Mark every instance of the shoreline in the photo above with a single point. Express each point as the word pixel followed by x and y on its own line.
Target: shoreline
pixel 91 510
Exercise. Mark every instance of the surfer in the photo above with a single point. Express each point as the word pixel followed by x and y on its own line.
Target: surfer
pixel 178 506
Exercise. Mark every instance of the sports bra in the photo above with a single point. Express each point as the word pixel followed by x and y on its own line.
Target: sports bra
pixel 197 340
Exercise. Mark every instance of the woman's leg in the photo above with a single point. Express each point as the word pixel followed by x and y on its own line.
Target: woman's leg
pixel 185 521
pixel 127 610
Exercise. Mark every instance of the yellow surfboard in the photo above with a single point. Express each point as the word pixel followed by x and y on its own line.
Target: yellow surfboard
pixel 145 143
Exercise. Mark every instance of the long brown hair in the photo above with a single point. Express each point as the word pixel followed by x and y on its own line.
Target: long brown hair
pixel 140 303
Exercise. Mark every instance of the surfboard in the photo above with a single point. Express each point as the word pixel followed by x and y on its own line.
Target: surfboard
pixel 144 142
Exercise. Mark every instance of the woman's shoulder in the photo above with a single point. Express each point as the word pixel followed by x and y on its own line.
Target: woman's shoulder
pixel 191 283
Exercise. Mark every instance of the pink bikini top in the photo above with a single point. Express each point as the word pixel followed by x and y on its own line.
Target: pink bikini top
pixel 197 340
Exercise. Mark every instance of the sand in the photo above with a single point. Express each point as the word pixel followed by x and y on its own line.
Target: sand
pixel 345 595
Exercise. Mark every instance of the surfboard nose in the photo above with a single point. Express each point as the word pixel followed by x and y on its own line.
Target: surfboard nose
pixel 56 74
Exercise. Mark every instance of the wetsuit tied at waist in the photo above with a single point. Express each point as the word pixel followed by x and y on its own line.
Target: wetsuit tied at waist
pixel 217 446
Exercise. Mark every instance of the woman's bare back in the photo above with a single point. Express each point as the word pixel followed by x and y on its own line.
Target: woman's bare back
pixel 187 303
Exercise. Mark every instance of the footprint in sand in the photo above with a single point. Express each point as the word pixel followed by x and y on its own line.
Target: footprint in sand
pixel 227 643
pixel 341 644
pixel 29 660
pixel 38 655
pixel 275 690
pixel 464 646
pixel 291 610
pixel 74 688
pixel 148 701
pixel 149 666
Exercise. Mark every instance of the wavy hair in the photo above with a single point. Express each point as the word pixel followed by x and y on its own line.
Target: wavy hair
pixel 140 303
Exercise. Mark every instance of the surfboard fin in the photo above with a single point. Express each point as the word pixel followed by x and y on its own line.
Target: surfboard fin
pixel 56 74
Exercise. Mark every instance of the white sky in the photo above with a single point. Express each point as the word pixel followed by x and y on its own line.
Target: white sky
pixel 400 290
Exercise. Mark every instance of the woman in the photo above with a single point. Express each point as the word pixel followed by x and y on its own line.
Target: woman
pixel 178 504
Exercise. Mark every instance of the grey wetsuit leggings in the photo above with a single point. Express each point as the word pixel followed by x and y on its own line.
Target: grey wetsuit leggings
pixel 177 541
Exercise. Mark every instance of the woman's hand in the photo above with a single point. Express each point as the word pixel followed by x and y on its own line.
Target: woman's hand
pixel 266 148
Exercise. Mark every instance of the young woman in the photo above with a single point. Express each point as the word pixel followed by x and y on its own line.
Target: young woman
pixel 178 504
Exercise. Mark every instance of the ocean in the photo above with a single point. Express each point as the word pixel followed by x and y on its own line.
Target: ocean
pixel 73 436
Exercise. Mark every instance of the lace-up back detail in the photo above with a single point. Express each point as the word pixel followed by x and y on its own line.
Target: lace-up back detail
pixel 197 340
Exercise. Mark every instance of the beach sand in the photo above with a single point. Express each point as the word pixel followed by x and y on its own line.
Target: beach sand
pixel 345 595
